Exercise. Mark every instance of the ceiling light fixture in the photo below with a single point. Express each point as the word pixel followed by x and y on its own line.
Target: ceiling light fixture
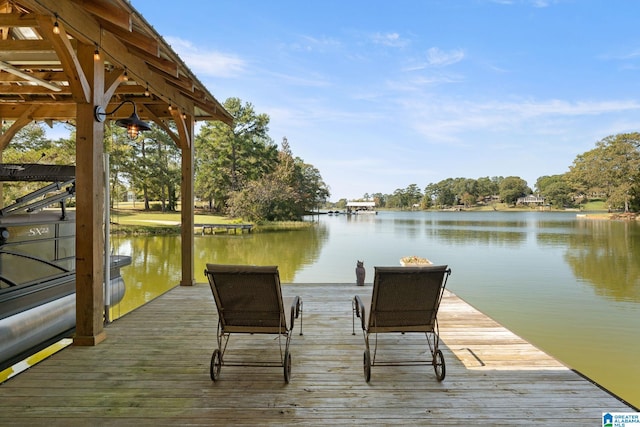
pixel 56 26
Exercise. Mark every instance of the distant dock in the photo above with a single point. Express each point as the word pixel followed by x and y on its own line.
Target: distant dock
pixel 212 228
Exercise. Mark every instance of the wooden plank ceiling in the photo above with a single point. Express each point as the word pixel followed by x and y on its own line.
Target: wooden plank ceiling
pixel 41 78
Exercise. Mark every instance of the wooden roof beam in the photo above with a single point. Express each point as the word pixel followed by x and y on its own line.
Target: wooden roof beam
pixel 84 26
pixel 181 125
pixel 164 65
pixel 17 20
pixel 79 24
pixel 28 46
pixel 112 80
pixel 104 10
pixel 140 72
pixel 78 82
pixel 133 38
pixel 49 76
pixel 182 83
pixel 163 125
pixel 27 76
pixel 28 89
pixel 60 110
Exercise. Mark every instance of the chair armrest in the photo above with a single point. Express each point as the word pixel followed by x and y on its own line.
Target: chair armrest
pixel 358 310
pixel 296 310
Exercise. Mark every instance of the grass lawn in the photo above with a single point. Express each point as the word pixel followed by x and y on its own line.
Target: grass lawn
pixel 127 213
pixel 140 217
pixel 129 219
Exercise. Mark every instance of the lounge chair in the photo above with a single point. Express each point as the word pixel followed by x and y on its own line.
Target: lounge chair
pixel 404 299
pixel 249 300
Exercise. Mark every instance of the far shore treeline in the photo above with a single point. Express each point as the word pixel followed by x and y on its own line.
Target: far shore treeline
pixel 242 173
pixel 610 172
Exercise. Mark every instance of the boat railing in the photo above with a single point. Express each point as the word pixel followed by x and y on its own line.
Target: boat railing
pixel 28 202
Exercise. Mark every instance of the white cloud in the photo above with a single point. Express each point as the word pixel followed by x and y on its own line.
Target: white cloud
pixel 212 63
pixel 443 121
pixel 439 58
pixel 315 44
pixel 389 39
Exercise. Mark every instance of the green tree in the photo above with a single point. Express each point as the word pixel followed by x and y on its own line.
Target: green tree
pixel 162 162
pixel 30 145
pixel 341 204
pixel 513 187
pixel 413 195
pixel 287 193
pixel 121 162
pixel 442 193
pixel 611 170
pixel 487 186
pixel 227 158
pixel 312 187
pixel 380 199
pixel 465 189
pixel 468 200
pixel 555 190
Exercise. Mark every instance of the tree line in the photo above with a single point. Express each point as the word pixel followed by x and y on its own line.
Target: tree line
pixel 610 172
pixel 239 170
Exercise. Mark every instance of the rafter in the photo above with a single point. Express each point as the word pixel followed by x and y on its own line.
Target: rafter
pixel 133 38
pixel 163 125
pixel 27 76
pixel 164 65
pixel 123 39
pixel 17 20
pixel 107 12
pixel 138 67
pixel 79 24
pixel 49 76
pixel 78 82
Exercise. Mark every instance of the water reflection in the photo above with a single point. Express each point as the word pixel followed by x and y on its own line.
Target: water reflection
pixel 289 250
pixel 464 236
pixel 156 263
pixel 607 256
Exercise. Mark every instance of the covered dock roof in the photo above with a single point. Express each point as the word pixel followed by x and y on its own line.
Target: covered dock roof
pixel 361 204
pixel 64 60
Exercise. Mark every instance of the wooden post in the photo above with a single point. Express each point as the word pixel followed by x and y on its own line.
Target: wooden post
pixel 89 207
pixel 187 200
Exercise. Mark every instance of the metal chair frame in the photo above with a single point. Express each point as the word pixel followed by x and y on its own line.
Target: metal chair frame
pixel 370 325
pixel 225 327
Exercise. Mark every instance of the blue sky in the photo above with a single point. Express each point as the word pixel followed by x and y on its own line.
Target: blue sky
pixel 379 95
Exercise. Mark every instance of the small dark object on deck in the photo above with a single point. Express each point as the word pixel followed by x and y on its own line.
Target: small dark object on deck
pixel 360 273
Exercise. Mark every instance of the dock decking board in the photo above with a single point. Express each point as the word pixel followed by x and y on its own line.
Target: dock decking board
pixel 153 369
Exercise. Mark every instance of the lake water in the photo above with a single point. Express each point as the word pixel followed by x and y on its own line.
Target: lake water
pixel 570 286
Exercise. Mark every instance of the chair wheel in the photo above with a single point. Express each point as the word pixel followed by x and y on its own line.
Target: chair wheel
pixel 438 365
pixel 287 366
pixel 216 365
pixel 367 365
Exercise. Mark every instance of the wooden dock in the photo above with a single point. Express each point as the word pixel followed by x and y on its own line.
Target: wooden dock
pixel 211 228
pixel 153 369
